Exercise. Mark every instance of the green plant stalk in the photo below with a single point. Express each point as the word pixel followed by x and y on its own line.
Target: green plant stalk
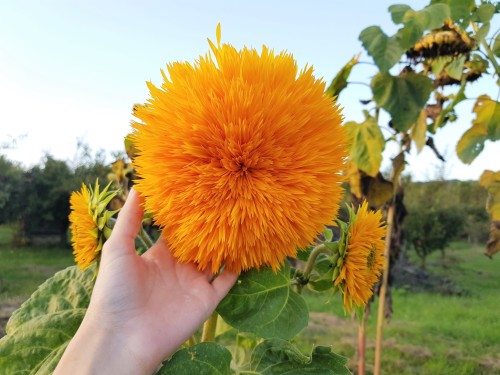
pixel 209 328
pixel 488 50
pixel 320 249
pixel 145 239
pixel 383 290
pixel 362 344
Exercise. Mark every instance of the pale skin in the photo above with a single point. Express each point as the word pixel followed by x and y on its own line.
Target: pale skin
pixel 143 308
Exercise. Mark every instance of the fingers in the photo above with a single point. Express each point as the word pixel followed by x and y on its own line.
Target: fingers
pixel 129 221
pixel 223 283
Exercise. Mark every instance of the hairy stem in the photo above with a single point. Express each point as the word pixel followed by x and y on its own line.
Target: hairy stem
pixel 209 328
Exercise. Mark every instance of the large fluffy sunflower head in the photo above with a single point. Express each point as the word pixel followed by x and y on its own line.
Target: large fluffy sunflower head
pixel 363 259
pixel 239 157
pixel 89 223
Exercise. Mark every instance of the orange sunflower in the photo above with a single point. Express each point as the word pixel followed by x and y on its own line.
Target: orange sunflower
pixel 239 157
pixel 89 223
pixel 363 260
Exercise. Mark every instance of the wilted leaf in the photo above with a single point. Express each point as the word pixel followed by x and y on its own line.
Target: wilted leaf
pixel 340 81
pixel 493 244
pixel 485 126
pixel 262 302
pixel 384 50
pixel 367 145
pixel 419 131
pixel 129 147
pixel 398 166
pixel 488 114
pixel 491 181
pixel 403 97
pixel 377 190
pixel 279 357
pixel 206 358
pixel 40 330
pixel 354 178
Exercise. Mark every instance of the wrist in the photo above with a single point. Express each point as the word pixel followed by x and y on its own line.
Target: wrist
pixel 100 350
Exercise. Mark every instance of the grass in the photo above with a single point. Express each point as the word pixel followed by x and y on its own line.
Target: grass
pixel 428 334
pixel 23 269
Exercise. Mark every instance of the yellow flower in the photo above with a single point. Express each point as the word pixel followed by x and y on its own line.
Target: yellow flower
pixel 88 223
pixel 363 260
pixel 239 157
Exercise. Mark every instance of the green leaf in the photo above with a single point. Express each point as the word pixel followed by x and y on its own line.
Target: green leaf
pixel 206 358
pixel 416 22
pixel 456 67
pixel 483 31
pixel 496 46
pixel 398 11
pixel 262 302
pixel 471 143
pixel 384 50
pixel 277 357
pixel 439 63
pixel 403 97
pixel 367 144
pixel 321 278
pixel 484 13
pixel 340 81
pixel 40 330
pixel 457 98
pixel 460 9
pixel 328 234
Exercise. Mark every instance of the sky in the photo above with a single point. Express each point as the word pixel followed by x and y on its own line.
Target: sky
pixel 72 70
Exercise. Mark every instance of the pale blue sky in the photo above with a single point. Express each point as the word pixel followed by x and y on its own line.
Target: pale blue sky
pixel 73 69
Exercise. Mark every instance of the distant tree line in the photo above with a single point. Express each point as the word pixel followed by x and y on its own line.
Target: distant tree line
pixel 36 200
pixel 444 211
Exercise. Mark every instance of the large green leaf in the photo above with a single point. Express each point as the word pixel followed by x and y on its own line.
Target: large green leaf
pixel 403 97
pixel 40 330
pixel 206 358
pixel 279 357
pixel 339 82
pixel 398 11
pixel 262 302
pixel 416 22
pixel 460 9
pixel 486 126
pixel 384 50
pixel 367 144
pixel 484 13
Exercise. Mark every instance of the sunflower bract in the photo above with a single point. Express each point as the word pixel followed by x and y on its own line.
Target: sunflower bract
pixel 239 157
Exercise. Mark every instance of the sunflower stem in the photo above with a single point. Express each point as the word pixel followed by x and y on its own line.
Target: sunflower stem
pixel 320 249
pixel 192 341
pixel 209 328
pixel 145 239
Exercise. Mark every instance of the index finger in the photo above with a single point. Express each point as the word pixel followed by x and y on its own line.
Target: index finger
pixel 129 219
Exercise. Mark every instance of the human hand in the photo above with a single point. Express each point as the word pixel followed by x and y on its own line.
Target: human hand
pixel 143 307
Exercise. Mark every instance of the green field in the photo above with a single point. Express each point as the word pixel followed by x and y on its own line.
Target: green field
pixel 429 333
